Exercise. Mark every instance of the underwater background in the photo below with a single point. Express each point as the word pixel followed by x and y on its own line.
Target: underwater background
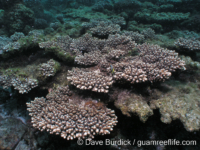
pixel 99 74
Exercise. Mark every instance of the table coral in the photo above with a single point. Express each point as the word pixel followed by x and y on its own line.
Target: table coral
pixel 69 119
pixel 188 44
pixel 90 80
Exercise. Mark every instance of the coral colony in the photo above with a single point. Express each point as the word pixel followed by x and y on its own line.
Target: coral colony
pixel 75 63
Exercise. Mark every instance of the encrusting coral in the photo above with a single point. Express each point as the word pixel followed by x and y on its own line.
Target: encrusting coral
pixel 71 119
pixel 180 103
pixel 190 63
pixel 129 103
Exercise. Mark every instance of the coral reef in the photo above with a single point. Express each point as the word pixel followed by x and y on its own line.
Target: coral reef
pixel 17 35
pixel 120 42
pixel 161 17
pixel 115 54
pixel 18 18
pixel 148 33
pixel 19 42
pixel 89 56
pixel 97 21
pixel 86 43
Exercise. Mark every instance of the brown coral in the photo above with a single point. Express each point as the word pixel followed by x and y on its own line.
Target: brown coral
pixel 163 58
pixel 70 119
pixel 104 29
pixel 23 84
pixel 135 36
pixel 121 42
pixel 49 68
pixel 60 42
pixel 85 43
pixel 129 102
pixel 90 58
pixel 90 80
pixel 190 44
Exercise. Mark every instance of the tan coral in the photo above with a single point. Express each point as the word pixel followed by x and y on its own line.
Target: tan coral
pixel 190 44
pixel 180 103
pixel 49 68
pixel 60 42
pixel 129 103
pixel 135 36
pixel 115 54
pixel 70 119
pixel 90 58
pixel 24 85
pixel 103 29
pixel 90 80
pixel 120 42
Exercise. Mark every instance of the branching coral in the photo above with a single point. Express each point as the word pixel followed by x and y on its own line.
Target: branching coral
pixel 104 29
pixel 90 58
pixel 24 85
pixel 148 33
pixel 163 58
pixel 115 54
pixel 95 22
pixel 86 43
pixel 60 42
pixel 154 63
pixel 190 44
pixel 120 42
pixel 20 42
pixel 70 119
pixel 90 80
pixel 49 68
pixel 135 36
